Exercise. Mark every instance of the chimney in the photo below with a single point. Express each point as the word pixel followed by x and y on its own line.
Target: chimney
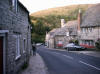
pixel 79 19
pixel 62 22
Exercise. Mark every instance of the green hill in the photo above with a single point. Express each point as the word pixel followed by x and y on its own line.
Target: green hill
pixel 51 17
pixel 66 10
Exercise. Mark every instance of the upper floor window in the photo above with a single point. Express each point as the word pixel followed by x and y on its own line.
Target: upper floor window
pixel 86 30
pixel 15 4
pixel 83 30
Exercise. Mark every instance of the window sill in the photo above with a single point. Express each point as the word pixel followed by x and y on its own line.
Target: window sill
pixel 17 57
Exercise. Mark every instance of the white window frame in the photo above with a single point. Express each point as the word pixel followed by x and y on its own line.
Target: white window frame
pixel 89 29
pixel 15 4
pixel 67 33
pixel 18 54
pixel 83 30
pixel 60 42
pixel 24 45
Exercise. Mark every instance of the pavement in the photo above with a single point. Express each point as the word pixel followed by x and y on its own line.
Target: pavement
pixel 36 66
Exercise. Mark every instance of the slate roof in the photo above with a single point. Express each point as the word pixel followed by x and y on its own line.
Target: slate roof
pixel 61 31
pixel 91 17
pixel 71 27
pixel 72 23
pixel 53 32
pixel 23 6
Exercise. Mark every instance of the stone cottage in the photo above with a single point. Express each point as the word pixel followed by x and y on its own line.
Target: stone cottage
pixel 49 39
pixel 58 38
pixel 90 26
pixel 15 36
pixel 65 34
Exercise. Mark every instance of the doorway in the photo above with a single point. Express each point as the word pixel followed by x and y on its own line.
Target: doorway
pixel 1 55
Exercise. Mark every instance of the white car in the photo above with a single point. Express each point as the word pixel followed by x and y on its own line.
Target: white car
pixel 73 47
pixel 38 44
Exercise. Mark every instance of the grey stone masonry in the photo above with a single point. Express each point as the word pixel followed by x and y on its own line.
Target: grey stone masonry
pixel 18 38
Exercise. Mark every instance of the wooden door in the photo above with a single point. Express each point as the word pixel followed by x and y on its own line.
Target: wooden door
pixel 1 55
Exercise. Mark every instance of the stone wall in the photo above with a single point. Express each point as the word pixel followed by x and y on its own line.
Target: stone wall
pixel 18 24
pixel 93 35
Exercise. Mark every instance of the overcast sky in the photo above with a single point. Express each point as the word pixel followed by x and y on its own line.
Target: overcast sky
pixel 37 5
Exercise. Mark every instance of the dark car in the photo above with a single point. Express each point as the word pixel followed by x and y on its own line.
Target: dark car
pixel 73 47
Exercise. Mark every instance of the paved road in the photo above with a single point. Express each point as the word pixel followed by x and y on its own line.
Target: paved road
pixel 63 62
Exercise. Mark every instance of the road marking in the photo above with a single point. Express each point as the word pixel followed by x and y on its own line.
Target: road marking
pixel 89 65
pixel 64 55
pixel 68 56
pixel 57 49
pixel 56 53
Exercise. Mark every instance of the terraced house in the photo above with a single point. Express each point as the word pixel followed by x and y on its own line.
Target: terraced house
pixel 90 26
pixel 15 36
pixel 60 37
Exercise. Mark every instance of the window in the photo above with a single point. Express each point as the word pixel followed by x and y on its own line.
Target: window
pixel 17 46
pixel 86 30
pixel 89 29
pixel 67 33
pixel 60 43
pixel 14 5
pixel 83 30
pixel 24 45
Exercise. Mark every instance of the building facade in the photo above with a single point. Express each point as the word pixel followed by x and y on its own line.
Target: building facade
pixel 49 39
pixel 90 26
pixel 15 36
pixel 60 37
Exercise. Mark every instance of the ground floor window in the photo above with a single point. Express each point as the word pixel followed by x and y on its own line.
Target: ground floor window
pixel 88 42
pixel 60 43
pixel 18 54
pixel 24 45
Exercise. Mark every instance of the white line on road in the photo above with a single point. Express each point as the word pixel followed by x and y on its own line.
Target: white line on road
pixel 64 55
pixel 68 56
pixel 56 53
pixel 89 65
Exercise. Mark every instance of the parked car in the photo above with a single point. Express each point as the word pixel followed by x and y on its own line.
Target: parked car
pixel 73 47
pixel 38 44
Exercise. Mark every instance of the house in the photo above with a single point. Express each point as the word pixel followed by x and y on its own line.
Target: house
pixel 49 39
pixel 15 36
pixel 90 26
pixel 58 38
pixel 65 34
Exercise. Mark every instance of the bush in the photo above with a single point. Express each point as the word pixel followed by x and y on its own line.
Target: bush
pixel 97 44
pixel 74 41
